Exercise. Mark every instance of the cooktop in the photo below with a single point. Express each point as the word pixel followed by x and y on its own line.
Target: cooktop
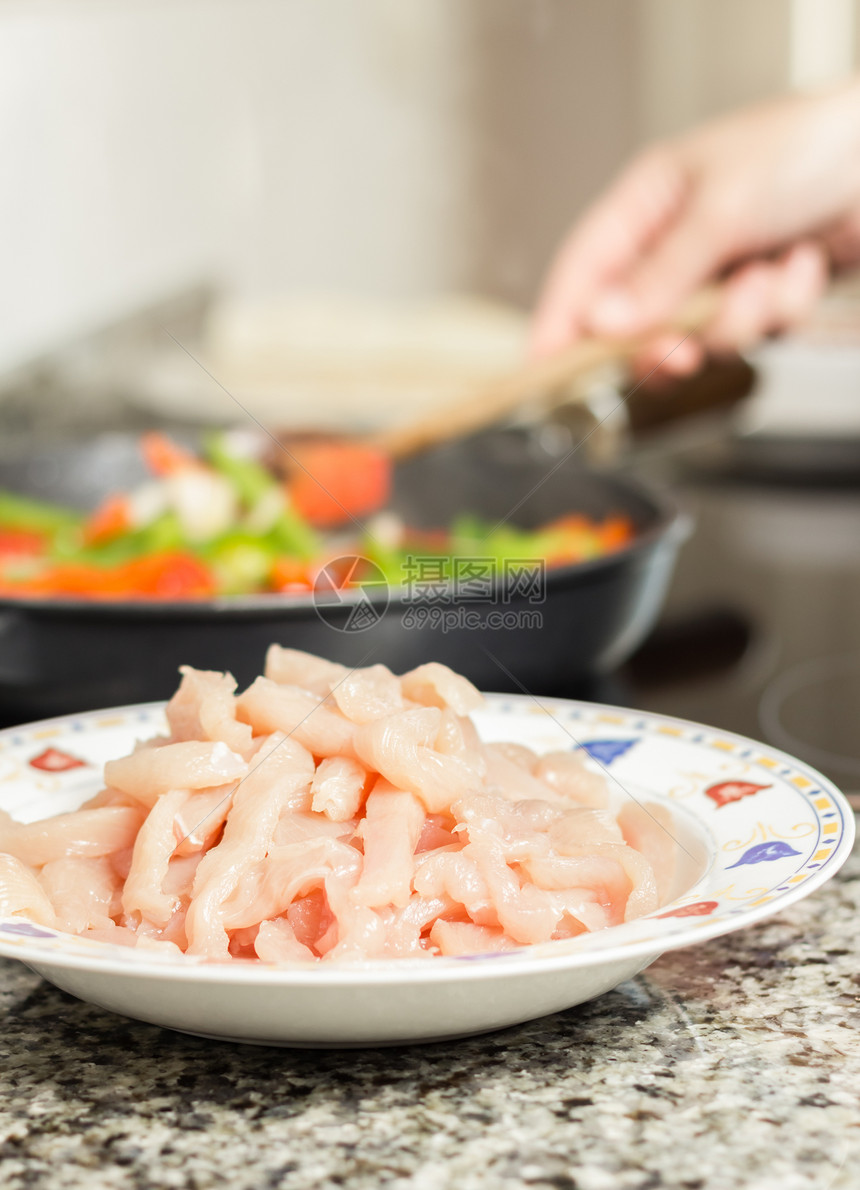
pixel 761 630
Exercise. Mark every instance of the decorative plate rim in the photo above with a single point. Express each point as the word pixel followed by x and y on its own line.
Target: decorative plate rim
pixel 645 938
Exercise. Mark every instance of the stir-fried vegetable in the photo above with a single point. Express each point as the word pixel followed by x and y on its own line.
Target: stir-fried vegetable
pixel 20 512
pixel 224 524
pixel 336 481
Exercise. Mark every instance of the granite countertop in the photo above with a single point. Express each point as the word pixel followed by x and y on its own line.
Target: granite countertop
pixel 734 1063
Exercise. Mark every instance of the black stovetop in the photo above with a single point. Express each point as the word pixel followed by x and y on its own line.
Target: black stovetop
pixel 761 631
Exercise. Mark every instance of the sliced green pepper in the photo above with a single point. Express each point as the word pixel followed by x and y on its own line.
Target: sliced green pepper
pixel 292 535
pixel 250 479
pixel 23 512
pixel 241 562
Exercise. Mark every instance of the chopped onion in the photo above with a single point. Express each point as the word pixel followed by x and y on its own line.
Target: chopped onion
pixel 205 503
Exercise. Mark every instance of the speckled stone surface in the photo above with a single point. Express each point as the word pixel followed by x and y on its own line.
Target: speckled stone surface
pixel 736 1063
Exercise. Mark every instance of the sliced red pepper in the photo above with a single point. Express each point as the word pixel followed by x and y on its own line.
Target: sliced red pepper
pixel 171 575
pixel 111 519
pixel 163 456
pixel 575 522
pixel 580 537
pixel 290 574
pixel 615 532
pixel 21 543
pixel 339 480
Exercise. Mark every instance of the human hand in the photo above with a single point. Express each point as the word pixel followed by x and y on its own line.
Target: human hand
pixel 768 199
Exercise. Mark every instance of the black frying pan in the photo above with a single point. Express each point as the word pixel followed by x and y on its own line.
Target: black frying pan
pixel 67 655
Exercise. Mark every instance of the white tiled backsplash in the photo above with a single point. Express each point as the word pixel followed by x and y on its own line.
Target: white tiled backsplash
pixel 389 147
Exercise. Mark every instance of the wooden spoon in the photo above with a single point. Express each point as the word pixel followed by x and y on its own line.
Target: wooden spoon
pixel 547 378
pixel 335 478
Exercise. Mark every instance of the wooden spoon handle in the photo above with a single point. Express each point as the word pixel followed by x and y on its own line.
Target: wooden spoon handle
pixel 491 400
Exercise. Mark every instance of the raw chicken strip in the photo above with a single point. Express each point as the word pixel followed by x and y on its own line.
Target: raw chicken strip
pixel 108 797
pixel 338 788
pixel 115 936
pixel 320 727
pixel 456 737
pixel 643 896
pixel 291 667
pixel 180 876
pixel 278 771
pixel 276 942
pixel 21 895
pixel 566 773
pixel 204 708
pixel 456 877
pixel 647 829
pixel 156 842
pixel 390 830
pixel 405 927
pixel 368 694
pixel 526 913
pixel 159 945
pixel 517 754
pixel 192 764
pixel 80 832
pixel 510 780
pixel 464 937
pixel 359 932
pixel 599 878
pixel 200 817
pixel 302 828
pixel 398 748
pixel 85 891
pixel 520 828
pixel 436 685
pixel 287 873
pixel 580 828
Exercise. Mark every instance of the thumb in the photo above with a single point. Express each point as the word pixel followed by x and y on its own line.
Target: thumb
pixel 678 264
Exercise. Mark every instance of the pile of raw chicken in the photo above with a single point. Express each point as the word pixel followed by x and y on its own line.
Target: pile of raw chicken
pixel 335 814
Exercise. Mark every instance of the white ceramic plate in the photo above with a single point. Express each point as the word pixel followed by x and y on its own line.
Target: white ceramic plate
pixel 758 829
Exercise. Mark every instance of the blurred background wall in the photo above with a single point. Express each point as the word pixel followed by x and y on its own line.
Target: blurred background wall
pixel 360 146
